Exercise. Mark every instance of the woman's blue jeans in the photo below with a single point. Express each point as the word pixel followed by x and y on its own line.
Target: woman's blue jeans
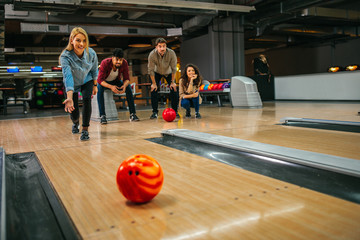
pixel 190 102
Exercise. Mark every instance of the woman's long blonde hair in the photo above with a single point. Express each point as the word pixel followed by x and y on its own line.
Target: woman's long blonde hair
pixel 73 33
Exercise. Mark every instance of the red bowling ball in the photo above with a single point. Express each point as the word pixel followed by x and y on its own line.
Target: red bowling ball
pixel 139 178
pixel 169 114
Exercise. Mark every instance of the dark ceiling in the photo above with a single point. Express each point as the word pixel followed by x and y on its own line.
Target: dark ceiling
pixel 116 23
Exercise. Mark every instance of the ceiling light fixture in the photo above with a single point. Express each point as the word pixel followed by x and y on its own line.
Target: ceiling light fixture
pixel 352 67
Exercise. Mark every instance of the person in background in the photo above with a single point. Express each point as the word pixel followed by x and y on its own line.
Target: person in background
pixel 189 85
pixel 261 66
pixel 162 64
pixel 110 72
pixel 80 69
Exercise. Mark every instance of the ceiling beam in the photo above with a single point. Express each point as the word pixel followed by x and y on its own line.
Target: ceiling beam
pixel 346 14
pixel 135 15
pixel 182 4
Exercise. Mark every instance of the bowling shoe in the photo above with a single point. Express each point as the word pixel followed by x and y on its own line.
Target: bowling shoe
pixel 154 115
pixel 134 118
pixel 103 119
pixel 188 114
pixel 75 128
pixel 84 135
pixel 197 115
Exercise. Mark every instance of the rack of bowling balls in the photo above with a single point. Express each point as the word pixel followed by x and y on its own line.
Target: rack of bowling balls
pixel 164 88
pixel 214 86
pixel 49 93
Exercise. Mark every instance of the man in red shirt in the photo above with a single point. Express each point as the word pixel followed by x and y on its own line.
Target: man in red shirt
pixel 110 72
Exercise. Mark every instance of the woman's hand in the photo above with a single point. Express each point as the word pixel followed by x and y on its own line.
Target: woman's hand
pixel 69 105
pixel 193 95
pixel 193 77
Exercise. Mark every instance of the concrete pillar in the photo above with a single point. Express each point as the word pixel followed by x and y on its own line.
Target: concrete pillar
pixel 227 46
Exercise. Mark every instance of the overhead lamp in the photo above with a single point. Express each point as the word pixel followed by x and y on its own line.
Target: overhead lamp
pixel 12 69
pixel 138 42
pixel 36 69
pixel 352 67
pixel 101 14
pixel 334 69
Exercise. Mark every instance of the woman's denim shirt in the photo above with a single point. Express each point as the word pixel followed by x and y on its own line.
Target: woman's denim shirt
pixel 78 71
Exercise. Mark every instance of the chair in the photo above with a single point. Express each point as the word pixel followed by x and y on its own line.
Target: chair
pixel 7 89
pixel 23 93
pixel 26 99
pixel 16 93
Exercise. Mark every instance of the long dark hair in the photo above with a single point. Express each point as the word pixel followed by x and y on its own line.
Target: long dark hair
pixel 197 81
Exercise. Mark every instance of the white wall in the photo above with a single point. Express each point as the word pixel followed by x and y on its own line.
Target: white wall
pixel 319 86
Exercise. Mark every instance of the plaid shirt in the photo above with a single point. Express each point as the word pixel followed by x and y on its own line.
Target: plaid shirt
pixel 106 67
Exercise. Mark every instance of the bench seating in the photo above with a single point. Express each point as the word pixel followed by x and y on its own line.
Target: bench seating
pixel 217 92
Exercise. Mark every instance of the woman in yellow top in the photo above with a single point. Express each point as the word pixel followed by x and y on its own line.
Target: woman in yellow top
pixel 189 85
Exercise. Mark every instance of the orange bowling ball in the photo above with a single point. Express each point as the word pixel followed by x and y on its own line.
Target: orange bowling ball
pixel 169 114
pixel 139 178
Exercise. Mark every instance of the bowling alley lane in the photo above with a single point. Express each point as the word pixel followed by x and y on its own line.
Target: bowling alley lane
pixel 195 188
pixel 200 198
pixel 37 134
pixel 314 140
pixel 260 125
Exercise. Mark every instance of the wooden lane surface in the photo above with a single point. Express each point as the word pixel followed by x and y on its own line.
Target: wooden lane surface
pixel 259 125
pixel 200 199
